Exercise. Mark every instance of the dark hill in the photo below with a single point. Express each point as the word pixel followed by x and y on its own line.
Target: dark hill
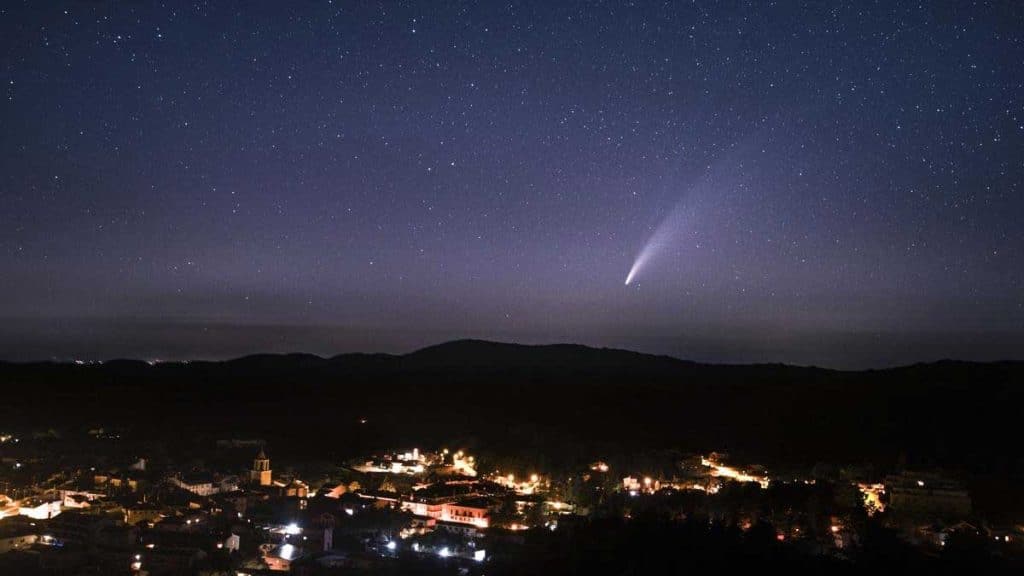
pixel 487 355
pixel 559 399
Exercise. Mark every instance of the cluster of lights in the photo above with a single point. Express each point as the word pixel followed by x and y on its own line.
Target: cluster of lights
pixel 415 462
pixel 463 463
pixel 528 486
pixel 732 473
pixel 872 495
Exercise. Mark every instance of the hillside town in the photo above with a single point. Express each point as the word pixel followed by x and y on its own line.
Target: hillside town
pixel 239 513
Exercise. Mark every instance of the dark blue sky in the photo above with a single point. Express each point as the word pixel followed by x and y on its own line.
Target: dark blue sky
pixel 830 183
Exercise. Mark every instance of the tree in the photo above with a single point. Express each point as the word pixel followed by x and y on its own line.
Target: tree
pixel 537 515
pixel 506 514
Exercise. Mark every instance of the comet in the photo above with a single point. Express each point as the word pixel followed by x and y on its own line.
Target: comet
pixel 641 259
pixel 702 197
pixel 659 239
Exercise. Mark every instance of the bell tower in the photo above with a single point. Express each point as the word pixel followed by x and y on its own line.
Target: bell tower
pixel 260 473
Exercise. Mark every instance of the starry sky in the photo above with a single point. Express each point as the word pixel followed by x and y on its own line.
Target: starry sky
pixel 829 183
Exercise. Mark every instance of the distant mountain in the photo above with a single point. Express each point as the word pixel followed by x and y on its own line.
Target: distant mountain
pixel 490 355
pixel 463 355
pixel 498 355
pixel 557 399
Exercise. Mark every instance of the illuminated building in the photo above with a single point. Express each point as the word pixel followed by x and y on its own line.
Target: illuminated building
pixel 872 496
pixel 115 482
pixel 261 473
pixel 142 512
pixel 466 510
pixel 531 484
pixel 198 484
pixel 637 485
pixel 927 494
pixel 17 533
pixel 296 489
pixel 279 557
pixel 39 509
pixel 415 463
pixel 411 463
pixel 720 470
pixel 475 512
pixel 464 464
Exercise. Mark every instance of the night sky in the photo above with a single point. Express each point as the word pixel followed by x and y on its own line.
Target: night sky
pixel 832 183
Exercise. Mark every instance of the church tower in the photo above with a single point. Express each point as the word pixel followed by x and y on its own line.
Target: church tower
pixel 260 473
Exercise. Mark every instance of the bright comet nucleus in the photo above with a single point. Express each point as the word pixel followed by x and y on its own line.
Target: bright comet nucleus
pixel 658 240
pixel 637 264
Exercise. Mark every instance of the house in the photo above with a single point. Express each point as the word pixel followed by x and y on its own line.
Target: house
pixel 474 512
pixel 17 533
pixel 40 508
pixel 927 494
pixel 200 484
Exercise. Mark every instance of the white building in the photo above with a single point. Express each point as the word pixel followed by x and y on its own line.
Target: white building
pixel 39 508
pixel 200 485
